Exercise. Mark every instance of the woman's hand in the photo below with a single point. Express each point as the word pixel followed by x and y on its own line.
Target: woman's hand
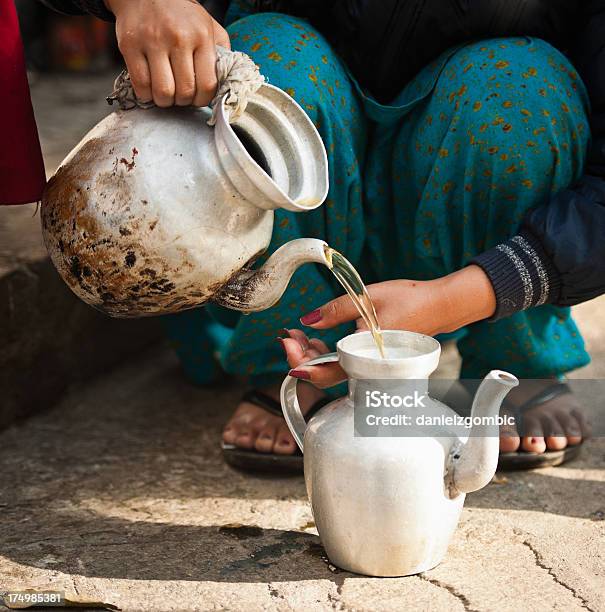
pixel 428 307
pixel 300 349
pixel 169 49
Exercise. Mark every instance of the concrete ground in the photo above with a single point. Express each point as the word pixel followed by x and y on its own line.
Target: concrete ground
pixel 46 333
pixel 119 494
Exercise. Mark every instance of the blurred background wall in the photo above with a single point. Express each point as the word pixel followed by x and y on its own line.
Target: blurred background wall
pixel 55 42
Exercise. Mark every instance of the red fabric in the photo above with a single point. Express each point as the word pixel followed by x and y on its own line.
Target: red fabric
pixel 22 175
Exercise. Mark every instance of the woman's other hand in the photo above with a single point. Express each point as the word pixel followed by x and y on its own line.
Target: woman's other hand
pixel 169 49
pixel 300 349
pixel 427 307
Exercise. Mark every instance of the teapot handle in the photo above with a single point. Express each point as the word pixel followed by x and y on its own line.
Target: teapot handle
pixel 289 401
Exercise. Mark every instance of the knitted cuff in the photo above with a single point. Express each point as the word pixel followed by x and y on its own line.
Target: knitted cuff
pixel 522 274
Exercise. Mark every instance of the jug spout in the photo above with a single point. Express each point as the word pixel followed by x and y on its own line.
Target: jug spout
pixel 256 290
pixel 474 465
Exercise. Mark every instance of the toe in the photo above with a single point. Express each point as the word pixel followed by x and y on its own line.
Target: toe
pixel 555 443
pixel 509 443
pixel 266 439
pixel 573 430
pixel 533 444
pixel 284 442
pixel 533 435
pixel 284 446
pixel 583 422
pixel 229 434
pixel 554 431
pixel 509 439
pixel 245 439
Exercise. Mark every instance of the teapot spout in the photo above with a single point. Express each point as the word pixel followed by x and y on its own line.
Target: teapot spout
pixel 474 465
pixel 256 290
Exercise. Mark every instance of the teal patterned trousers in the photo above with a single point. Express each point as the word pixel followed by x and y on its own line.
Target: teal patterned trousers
pixel 417 188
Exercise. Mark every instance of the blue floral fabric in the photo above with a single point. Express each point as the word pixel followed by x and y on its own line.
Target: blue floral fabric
pixel 417 189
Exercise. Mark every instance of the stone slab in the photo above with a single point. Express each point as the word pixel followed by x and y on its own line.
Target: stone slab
pixel 120 494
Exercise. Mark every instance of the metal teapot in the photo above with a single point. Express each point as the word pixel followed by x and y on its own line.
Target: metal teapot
pixel 388 504
pixel 155 212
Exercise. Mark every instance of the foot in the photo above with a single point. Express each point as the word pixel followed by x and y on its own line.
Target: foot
pixel 553 425
pixel 253 428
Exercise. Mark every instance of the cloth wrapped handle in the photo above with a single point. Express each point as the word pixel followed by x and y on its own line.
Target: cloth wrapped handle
pixel 238 78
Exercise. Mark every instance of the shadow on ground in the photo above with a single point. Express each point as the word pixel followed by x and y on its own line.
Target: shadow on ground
pixel 114 548
pixel 125 480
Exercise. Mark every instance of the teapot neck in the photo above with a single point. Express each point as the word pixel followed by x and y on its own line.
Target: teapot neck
pixel 408 356
pixel 273 154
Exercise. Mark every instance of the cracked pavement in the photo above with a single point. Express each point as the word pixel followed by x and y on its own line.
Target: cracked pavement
pixel 119 494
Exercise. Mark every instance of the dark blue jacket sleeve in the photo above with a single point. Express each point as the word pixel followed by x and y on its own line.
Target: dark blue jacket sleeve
pixel 559 255
pixel 572 231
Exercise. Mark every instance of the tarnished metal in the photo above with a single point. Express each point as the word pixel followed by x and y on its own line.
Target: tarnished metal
pixel 254 290
pixel 154 212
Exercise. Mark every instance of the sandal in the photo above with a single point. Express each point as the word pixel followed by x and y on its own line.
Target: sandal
pixel 523 460
pixel 251 460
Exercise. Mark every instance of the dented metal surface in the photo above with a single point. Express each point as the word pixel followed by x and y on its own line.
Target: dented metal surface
pixel 154 212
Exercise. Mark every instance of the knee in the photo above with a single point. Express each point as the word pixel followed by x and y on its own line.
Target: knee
pixel 521 109
pixel 280 45
pixel 293 56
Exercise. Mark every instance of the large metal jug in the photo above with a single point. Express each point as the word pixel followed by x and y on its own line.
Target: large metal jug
pixel 155 212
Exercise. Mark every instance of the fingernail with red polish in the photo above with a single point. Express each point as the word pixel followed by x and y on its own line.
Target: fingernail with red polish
pixel 311 318
pixel 301 374
pixel 284 333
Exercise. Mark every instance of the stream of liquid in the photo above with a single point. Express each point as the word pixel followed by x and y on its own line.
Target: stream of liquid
pixel 349 278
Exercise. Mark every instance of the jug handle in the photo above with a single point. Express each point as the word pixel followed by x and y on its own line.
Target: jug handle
pixel 289 401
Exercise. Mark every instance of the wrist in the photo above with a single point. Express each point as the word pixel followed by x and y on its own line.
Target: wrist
pixel 467 296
